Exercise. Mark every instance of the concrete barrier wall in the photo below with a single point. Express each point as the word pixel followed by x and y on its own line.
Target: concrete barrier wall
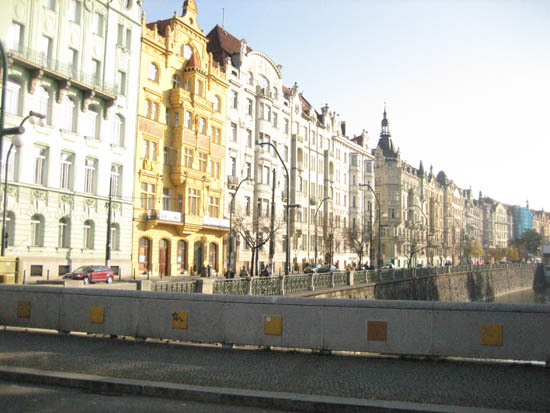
pixel 478 330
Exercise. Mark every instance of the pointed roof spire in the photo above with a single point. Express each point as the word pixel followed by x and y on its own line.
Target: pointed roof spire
pixel 421 170
pixel 193 61
pixel 385 124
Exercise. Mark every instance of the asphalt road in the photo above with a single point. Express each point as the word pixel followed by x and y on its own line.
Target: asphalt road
pixel 458 384
pixel 31 398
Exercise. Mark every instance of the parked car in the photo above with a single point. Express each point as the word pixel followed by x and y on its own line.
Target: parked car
pixel 311 269
pixel 92 274
pixel 326 268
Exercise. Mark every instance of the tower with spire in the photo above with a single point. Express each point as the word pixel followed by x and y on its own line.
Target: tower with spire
pixel 385 143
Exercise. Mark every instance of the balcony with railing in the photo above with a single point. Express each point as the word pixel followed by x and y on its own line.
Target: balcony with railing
pixel 37 60
pixel 166 217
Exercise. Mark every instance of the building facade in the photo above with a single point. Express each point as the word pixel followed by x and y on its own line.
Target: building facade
pixel 178 223
pixel 74 62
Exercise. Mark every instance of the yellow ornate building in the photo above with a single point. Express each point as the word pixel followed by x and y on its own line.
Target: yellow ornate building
pixel 178 226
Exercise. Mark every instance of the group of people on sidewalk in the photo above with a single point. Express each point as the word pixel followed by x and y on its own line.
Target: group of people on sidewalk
pixel 243 273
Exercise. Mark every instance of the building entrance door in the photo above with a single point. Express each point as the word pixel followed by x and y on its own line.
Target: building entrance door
pixel 197 258
pixel 164 257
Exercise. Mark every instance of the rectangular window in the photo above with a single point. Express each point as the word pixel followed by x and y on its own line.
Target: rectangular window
pixel 203 161
pixel 213 206
pixel 50 4
pixel 14 38
pixel 121 83
pixel 249 138
pixel 120 35
pixel 198 88
pixel 287 126
pixel 96 69
pixel 188 158
pixel 90 167
pixel 275 120
pixel 180 203
pixel 248 170
pixel 87 236
pixel 233 132
pixel 74 11
pixel 194 201
pixel 176 118
pixel 249 104
pixel 167 199
pixel 266 176
pixel 155 111
pixel 233 166
pixel 46 50
pixel 188 118
pixel 235 100
pixel 40 165
pixel 216 168
pixel 97 24
pixel 116 180
pixel 62 238
pixel 35 232
pixel 247 208
pixel 65 173
pixel 147 195
pixel 72 61
pixel 128 39
pixel 150 149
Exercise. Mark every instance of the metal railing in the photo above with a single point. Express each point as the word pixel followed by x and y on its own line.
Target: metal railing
pixel 301 283
pixel 41 59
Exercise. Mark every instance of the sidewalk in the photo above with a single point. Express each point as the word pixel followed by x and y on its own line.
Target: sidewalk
pixel 275 379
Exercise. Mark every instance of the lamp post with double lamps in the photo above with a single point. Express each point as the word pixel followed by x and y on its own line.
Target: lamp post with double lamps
pixel 316 211
pixel 288 206
pixel 17 142
pixel 231 208
pixel 379 258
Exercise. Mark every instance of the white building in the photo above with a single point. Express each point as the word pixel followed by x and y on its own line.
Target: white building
pixel 77 62
pixel 256 112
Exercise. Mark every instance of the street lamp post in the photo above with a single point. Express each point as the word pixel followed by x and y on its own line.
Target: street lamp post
pixel 316 211
pixel 427 235
pixel 288 206
pixel 17 142
pixel 379 259
pixel 231 208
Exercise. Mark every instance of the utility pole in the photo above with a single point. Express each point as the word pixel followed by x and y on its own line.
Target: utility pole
pixel 272 225
pixel 108 246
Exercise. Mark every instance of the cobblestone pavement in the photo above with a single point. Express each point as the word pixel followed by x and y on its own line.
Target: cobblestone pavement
pixel 454 383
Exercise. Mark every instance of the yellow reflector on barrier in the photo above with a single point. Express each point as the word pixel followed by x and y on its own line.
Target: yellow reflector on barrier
pixel 491 335
pixel 179 319
pixel 377 331
pixel 273 325
pixel 97 315
pixel 23 309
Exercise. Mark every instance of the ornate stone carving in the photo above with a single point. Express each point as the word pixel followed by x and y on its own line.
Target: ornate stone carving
pixel 87 99
pixel 34 79
pixel 64 85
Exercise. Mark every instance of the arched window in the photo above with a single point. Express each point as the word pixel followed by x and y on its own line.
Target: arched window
pixel 10 228
pixel 250 78
pixel 213 256
pixel 118 130
pixel 68 108
pixel 153 72
pixel 13 96
pixel 263 82
pixel 63 232
pixel 182 255
pixel 115 237
pixel 275 93
pixel 187 51
pixel 217 103
pixel 164 257
pixel 37 230
pixel 144 257
pixel 88 234
pixel 176 83
pixel 43 103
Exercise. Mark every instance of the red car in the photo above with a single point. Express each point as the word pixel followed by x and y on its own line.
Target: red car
pixel 92 274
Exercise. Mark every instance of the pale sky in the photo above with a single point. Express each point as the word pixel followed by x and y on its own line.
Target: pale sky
pixel 467 82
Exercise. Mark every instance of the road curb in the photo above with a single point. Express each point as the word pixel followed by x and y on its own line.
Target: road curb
pixel 220 395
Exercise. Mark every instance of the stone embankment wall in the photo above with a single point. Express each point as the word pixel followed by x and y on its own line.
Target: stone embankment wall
pixel 479 285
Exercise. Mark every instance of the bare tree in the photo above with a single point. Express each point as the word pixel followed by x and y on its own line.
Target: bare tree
pixel 256 232
pixel 358 240
pixel 333 238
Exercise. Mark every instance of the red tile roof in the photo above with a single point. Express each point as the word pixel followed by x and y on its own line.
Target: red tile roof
pixel 223 44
